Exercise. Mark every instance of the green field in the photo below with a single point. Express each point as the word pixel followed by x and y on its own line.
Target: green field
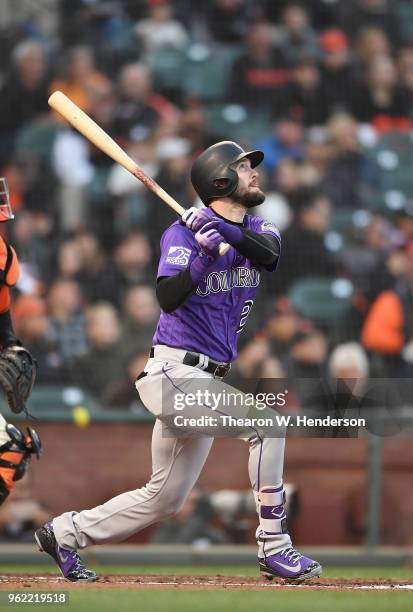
pixel 175 600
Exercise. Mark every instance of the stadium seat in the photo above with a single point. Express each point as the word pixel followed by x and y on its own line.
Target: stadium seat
pixel 405 13
pixel 321 299
pixel 37 138
pixel 57 403
pixel 345 226
pixel 168 68
pixel 207 71
pixel 394 155
pixel 235 122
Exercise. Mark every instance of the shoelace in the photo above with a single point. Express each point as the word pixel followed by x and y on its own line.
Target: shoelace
pixel 291 554
pixel 79 566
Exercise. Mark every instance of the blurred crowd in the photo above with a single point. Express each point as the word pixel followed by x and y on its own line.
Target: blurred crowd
pixel 323 87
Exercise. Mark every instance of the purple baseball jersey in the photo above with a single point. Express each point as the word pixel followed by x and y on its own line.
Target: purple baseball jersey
pixel 211 319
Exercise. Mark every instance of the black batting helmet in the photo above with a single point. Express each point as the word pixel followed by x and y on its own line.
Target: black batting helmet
pixel 211 174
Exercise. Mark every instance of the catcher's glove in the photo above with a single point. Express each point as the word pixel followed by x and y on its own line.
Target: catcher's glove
pixel 17 375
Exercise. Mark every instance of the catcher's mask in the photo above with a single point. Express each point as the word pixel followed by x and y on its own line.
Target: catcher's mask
pixel 211 174
pixel 6 213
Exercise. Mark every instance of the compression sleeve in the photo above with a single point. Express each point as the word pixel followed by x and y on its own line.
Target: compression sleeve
pixel 172 291
pixel 261 249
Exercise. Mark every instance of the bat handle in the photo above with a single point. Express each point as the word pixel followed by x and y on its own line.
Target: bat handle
pixel 224 248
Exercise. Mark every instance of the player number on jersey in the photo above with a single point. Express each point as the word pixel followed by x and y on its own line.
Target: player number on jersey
pixel 246 309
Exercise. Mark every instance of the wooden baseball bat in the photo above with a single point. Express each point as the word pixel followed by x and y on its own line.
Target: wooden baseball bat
pixel 93 132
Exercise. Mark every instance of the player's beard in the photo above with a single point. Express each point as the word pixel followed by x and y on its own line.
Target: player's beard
pixel 248 196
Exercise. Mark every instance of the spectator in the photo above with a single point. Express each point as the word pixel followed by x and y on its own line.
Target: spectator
pixel 80 78
pixel 24 91
pixel 287 177
pixel 349 173
pixel 369 44
pixel 308 353
pixel 304 250
pixel 103 367
pixel 341 393
pixel 304 97
pixel 388 330
pixel 403 221
pixel 173 154
pixel 358 15
pixel 66 319
pixel 349 361
pixel 125 187
pixel 381 101
pixel 102 100
pixel 73 179
pixel 318 154
pixel 337 72
pixel 373 264
pixel 123 393
pixel 140 312
pixel 33 241
pixel 282 327
pixel 193 524
pixel 160 30
pixel 250 361
pixel 69 260
pixel 258 74
pixel 296 36
pixel 139 110
pixel 405 70
pixel 286 141
pixel 93 23
pixel 33 329
pixel 193 127
pixel 93 264
pixel 75 227
pixel 130 265
pixel 228 20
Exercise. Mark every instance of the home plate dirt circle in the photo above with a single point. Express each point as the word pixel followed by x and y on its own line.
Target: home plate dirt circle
pixel 28 581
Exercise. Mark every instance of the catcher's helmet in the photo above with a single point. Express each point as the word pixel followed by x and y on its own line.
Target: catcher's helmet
pixel 211 174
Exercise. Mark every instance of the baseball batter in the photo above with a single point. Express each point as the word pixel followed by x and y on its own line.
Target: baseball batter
pixel 205 300
pixel 17 369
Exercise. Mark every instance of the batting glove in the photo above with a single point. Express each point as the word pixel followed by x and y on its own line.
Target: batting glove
pixel 209 239
pixel 195 218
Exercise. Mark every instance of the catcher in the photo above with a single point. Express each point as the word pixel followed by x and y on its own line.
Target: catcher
pixel 17 370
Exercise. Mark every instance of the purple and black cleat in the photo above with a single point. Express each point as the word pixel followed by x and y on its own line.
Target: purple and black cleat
pixel 68 561
pixel 290 565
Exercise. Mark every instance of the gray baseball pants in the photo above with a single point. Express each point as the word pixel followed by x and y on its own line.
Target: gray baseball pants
pixel 178 456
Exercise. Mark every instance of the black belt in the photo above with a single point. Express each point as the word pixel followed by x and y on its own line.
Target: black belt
pixel 196 360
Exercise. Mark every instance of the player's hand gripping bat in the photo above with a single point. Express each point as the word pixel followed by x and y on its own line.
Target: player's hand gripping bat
pixel 86 126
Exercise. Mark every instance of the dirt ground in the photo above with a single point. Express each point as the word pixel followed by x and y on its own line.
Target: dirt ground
pixel 11 582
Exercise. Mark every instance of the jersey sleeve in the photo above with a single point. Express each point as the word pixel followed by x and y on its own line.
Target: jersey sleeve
pixel 178 249
pixel 265 227
pixel 269 229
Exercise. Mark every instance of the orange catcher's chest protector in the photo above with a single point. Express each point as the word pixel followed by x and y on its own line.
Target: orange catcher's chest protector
pixel 9 273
